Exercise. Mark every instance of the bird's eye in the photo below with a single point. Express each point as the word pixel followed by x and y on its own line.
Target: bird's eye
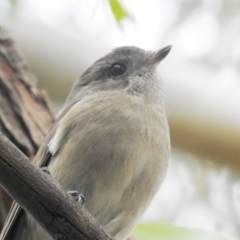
pixel 117 69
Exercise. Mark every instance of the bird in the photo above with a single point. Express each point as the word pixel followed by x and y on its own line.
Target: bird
pixel 110 143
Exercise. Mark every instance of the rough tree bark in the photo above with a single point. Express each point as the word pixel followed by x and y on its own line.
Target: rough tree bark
pixel 25 115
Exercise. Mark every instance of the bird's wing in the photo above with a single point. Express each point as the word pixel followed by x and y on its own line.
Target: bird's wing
pixel 42 159
pixel 12 216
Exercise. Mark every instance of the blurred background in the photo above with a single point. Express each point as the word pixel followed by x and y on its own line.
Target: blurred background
pixel 200 198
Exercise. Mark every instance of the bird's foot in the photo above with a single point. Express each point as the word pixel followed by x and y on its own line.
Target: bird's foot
pixel 79 198
pixel 46 170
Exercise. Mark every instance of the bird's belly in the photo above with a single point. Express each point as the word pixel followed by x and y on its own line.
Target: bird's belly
pixel 117 160
pixel 117 181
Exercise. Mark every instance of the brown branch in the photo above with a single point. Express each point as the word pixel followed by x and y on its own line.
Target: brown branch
pixel 25 116
pixel 42 197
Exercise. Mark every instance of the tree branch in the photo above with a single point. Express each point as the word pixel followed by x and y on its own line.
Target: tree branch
pixel 42 197
pixel 25 115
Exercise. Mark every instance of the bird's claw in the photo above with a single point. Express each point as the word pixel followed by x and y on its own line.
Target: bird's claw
pixel 79 198
pixel 46 170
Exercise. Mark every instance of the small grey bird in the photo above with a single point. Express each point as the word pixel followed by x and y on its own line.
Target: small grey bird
pixel 110 143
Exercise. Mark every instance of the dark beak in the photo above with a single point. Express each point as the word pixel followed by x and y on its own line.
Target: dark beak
pixel 159 56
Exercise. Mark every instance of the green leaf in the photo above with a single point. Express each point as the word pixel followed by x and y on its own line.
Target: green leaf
pixel 157 231
pixel 118 11
pixel 13 2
